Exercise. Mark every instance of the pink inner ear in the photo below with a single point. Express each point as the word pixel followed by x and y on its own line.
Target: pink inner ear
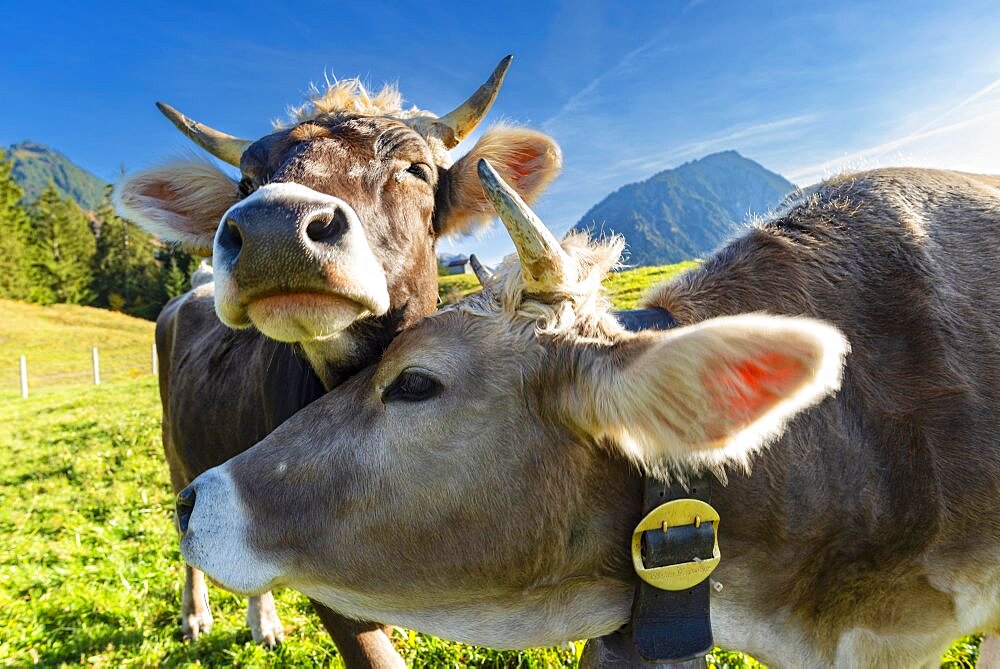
pixel 743 391
pixel 520 163
pixel 160 191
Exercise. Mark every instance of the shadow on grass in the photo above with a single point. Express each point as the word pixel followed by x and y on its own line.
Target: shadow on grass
pixel 213 649
pixel 88 647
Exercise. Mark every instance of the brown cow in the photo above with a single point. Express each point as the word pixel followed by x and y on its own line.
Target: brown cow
pixel 326 245
pixel 482 480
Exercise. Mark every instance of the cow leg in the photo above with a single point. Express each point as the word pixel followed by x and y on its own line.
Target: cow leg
pixel 989 653
pixel 362 644
pixel 196 618
pixel 262 618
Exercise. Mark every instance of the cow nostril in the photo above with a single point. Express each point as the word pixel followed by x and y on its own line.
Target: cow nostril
pixel 327 226
pixel 234 230
pixel 183 508
pixel 230 238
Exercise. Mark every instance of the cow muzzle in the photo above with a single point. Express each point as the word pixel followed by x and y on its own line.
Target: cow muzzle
pixel 296 264
pixel 213 525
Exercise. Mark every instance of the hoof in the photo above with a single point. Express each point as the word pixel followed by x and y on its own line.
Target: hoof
pixel 195 624
pixel 262 618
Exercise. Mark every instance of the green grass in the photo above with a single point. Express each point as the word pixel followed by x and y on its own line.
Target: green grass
pixel 626 287
pixel 89 571
pixel 57 342
pixel 89 568
pixel 453 287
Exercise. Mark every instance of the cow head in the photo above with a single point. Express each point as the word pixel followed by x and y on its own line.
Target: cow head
pixel 334 218
pixel 481 481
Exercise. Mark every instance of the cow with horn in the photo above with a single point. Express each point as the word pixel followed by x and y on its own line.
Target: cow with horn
pixel 834 373
pixel 322 250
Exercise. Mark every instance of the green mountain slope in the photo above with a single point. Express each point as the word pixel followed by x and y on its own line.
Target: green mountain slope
pixel 688 211
pixel 35 165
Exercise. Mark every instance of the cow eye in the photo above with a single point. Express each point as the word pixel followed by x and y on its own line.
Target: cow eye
pixel 411 386
pixel 420 170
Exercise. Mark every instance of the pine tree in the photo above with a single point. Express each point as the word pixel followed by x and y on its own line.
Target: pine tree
pixel 125 268
pixel 13 225
pixel 60 248
pixel 175 281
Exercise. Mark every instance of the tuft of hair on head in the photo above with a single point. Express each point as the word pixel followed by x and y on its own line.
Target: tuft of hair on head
pixel 348 96
pixel 580 307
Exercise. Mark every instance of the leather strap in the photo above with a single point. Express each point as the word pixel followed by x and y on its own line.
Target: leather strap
pixel 668 628
pixel 674 625
pixel 635 320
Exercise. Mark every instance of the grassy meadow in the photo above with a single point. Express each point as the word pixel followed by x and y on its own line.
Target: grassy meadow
pixel 89 568
pixel 57 342
pixel 626 288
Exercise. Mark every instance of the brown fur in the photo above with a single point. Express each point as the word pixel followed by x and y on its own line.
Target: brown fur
pixel 349 96
pixel 224 390
pixel 307 131
pixel 905 263
pixel 867 535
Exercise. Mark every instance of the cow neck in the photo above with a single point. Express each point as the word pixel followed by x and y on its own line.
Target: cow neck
pixel 333 361
pixel 336 359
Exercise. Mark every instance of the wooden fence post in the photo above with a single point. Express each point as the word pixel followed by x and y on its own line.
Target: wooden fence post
pixel 24 377
pixel 155 361
pixel 97 368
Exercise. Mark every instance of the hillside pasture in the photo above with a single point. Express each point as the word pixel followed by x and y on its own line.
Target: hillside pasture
pixel 90 574
pixel 626 288
pixel 57 340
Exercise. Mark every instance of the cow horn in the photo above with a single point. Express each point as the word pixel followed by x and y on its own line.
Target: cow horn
pixel 464 119
pixel 480 270
pixel 544 264
pixel 225 147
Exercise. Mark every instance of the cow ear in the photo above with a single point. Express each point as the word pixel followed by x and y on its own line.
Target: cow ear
pixel 180 202
pixel 708 393
pixel 526 159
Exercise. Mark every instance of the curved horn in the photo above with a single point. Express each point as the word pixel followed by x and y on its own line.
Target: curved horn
pixel 464 118
pixel 479 269
pixel 544 264
pixel 225 147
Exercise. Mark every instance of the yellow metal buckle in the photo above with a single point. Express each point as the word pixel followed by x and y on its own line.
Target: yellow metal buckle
pixel 676 513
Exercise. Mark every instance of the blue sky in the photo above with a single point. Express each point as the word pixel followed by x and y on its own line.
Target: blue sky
pixel 627 89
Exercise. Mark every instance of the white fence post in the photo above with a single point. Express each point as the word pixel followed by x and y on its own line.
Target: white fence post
pixel 24 377
pixel 97 368
pixel 155 362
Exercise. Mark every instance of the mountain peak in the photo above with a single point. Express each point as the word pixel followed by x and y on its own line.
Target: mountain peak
pixel 687 211
pixel 32 147
pixel 728 154
pixel 730 158
pixel 35 165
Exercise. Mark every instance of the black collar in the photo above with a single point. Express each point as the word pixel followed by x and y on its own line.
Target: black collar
pixel 669 628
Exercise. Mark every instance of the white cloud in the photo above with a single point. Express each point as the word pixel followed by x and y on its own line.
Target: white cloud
pixel 948 155
pixel 970 143
pixel 579 99
pixel 759 132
